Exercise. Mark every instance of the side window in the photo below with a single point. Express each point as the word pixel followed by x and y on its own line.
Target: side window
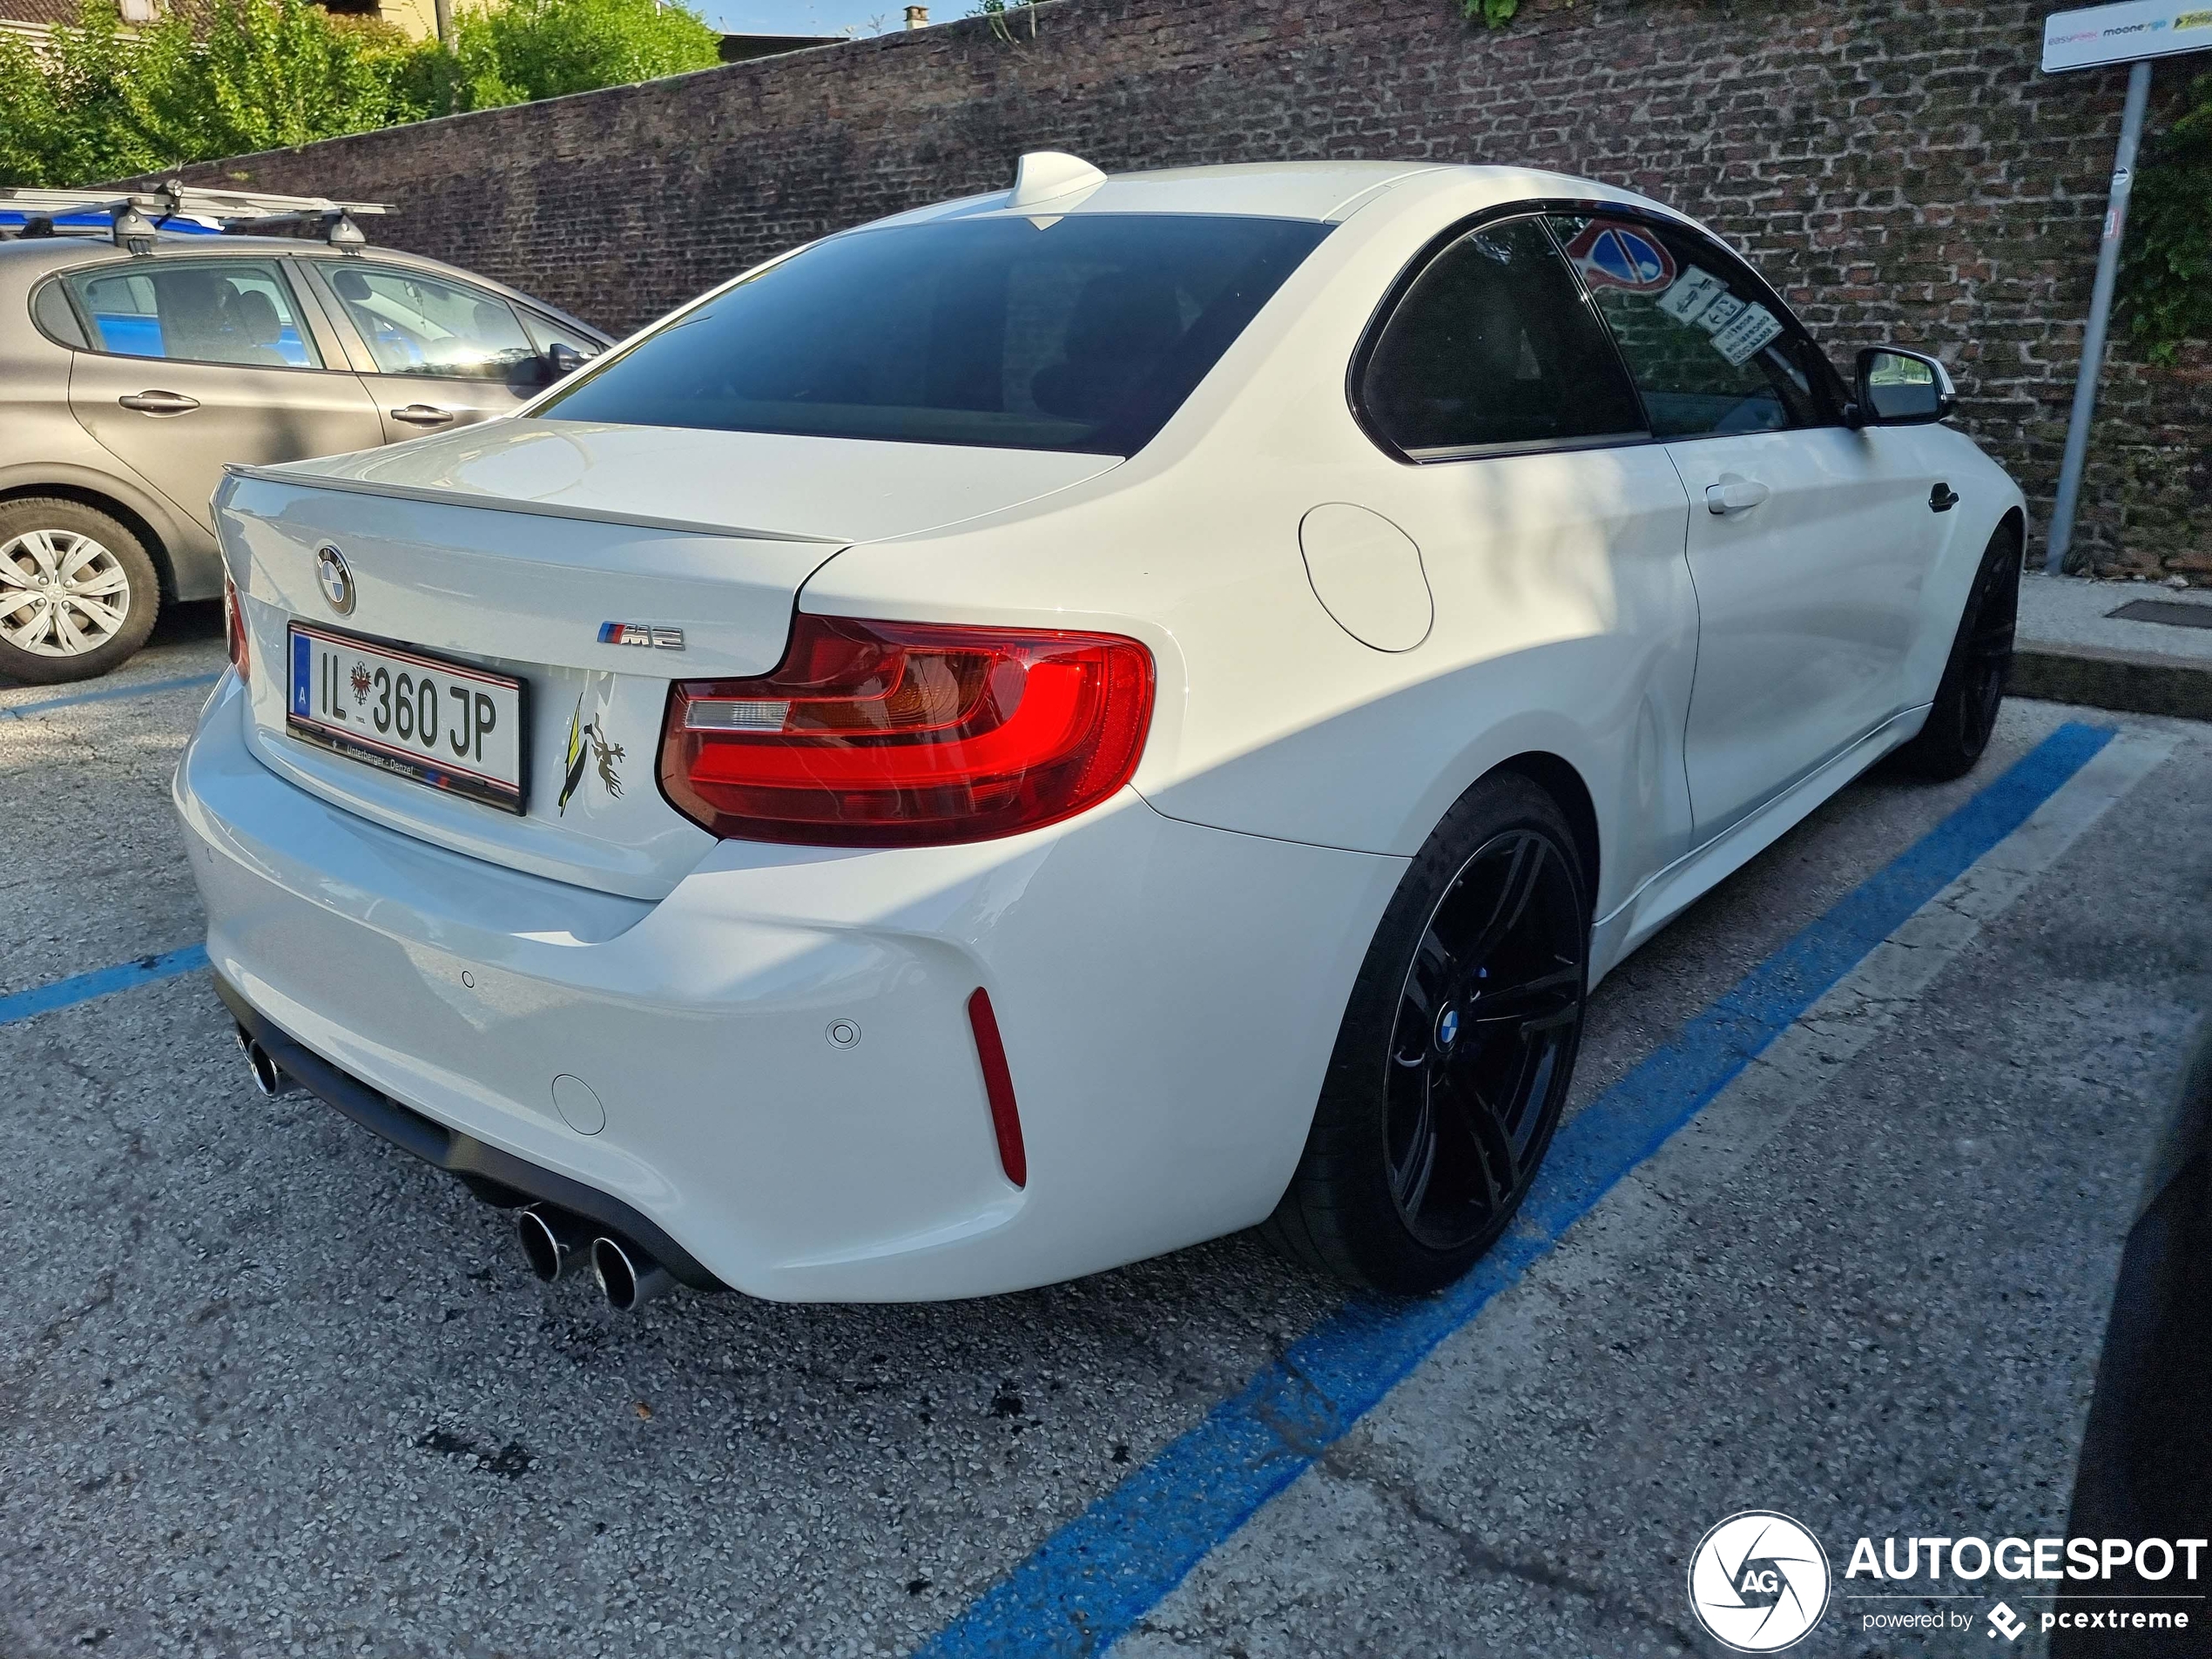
pixel 197 310
pixel 415 324
pixel 546 334
pixel 57 318
pixel 1494 345
pixel 1708 353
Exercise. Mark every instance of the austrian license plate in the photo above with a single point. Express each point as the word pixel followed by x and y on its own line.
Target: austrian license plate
pixel 453 727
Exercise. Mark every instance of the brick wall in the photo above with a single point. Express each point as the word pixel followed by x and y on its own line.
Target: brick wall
pixel 1897 168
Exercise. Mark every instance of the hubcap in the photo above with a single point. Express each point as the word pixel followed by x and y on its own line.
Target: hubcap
pixel 61 594
pixel 1484 1042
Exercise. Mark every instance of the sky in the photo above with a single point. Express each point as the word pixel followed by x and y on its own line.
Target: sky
pixel 819 17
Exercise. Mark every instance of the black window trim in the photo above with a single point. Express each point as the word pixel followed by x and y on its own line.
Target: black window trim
pixel 1830 397
pixel 1542 209
pixel 125 267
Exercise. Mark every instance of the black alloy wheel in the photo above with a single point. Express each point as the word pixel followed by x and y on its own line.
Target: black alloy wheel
pixel 1456 1052
pixel 1487 1025
pixel 1972 688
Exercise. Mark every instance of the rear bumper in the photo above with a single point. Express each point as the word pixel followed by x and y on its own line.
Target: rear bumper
pixel 1168 995
pixel 489 1171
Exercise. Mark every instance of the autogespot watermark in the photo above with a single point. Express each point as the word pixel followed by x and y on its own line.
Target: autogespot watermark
pixel 1760 1582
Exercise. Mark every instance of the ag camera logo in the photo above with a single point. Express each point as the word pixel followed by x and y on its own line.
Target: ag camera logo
pixel 1759 1582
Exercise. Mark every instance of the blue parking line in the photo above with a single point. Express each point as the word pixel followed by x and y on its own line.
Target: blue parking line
pixel 1089 1584
pixel 101 982
pixel 138 688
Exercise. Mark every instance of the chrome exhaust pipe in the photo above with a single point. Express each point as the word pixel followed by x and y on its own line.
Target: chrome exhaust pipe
pixel 555 1242
pixel 268 1077
pixel 628 1277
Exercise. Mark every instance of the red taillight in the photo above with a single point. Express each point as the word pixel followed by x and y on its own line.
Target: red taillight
pixel 234 625
pixel 902 734
pixel 998 1088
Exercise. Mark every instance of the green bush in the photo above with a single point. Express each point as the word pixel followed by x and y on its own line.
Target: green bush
pixel 98 102
pixel 2167 278
pixel 102 103
pixel 524 50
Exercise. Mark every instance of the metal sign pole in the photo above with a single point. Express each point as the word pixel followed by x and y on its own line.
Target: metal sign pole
pixel 2093 339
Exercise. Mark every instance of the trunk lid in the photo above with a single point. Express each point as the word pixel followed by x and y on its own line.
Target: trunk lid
pixel 507 547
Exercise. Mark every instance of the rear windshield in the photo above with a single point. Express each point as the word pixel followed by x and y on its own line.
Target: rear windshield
pixel 1084 333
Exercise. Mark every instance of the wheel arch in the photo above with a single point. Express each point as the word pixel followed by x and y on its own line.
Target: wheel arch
pixel 131 518
pixel 1557 777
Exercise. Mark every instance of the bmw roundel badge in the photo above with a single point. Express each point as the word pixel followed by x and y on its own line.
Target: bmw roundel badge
pixel 335 578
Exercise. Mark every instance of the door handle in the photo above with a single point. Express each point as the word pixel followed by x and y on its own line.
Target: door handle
pixel 1735 496
pixel 424 415
pixel 159 402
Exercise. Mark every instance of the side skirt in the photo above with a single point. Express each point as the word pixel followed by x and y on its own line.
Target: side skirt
pixel 1666 894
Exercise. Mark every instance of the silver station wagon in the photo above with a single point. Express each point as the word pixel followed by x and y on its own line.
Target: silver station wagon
pixel 144 341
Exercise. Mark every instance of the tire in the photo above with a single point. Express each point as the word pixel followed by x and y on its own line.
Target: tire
pixel 1972 688
pixel 77 591
pixel 1435 1114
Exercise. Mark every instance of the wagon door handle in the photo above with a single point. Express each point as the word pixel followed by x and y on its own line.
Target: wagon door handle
pixel 1735 496
pixel 159 402
pixel 424 415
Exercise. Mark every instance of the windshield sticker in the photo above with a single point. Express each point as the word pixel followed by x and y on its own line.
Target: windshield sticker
pixel 1614 255
pixel 1753 327
pixel 1723 310
pixel 1693 291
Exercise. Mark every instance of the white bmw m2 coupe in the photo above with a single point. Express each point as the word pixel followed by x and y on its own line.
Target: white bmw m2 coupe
pixel 1060 725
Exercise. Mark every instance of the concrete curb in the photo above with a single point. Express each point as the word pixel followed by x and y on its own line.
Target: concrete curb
pixel 2131 682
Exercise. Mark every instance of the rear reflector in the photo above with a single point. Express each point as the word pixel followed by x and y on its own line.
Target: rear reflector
pixel 998 1088
pixel 908 734
pixel 234 626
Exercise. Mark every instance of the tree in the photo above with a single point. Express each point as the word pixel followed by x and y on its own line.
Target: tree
pixel 2168 274
pixel 98 102
pixel 524 50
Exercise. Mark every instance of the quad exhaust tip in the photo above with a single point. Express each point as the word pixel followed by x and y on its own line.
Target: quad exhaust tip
pixel 268 1077
pixel 628 1277
pixel 557 1244
pixel 554 1243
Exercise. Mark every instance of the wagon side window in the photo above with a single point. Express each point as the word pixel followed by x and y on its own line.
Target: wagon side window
pixel 196 310
pixel 1493 347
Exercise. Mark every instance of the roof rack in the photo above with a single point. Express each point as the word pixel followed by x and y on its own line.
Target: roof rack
pixel 133 219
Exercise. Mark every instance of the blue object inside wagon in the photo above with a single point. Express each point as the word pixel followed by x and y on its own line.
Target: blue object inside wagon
pixel 131 334
pixel 14 219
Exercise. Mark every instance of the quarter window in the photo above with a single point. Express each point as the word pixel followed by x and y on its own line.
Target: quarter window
pixel 548 333
pixel 1493 345
pixel 198 311
pixel 1709 354
pixel 418 325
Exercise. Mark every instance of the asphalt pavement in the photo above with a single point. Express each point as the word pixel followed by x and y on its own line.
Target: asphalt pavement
pixel 268 1386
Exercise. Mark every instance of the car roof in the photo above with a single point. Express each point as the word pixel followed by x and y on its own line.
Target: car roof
pixel 22 261
pixel 1325 192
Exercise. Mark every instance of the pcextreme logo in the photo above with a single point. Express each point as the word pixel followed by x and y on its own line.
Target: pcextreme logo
pixel 1759 1582
pixel 1948 1565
